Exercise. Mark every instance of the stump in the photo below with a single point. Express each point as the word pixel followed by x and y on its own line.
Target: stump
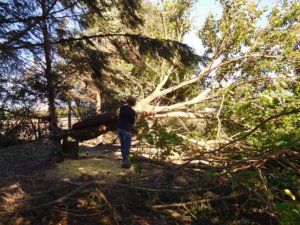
pixel 70 149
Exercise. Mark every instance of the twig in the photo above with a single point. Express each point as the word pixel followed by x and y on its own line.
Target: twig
pixel 142 188
pixel 97 182
pixel 152 161
pixel 79 215
pixel 294 167
pixel 59 200
pixel 46 179
pixel 189 212
pixel 294 111
pixel 113 211
pixel 183 204
pixel 264 201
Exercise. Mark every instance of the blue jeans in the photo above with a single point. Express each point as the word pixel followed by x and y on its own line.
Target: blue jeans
pixel 125 139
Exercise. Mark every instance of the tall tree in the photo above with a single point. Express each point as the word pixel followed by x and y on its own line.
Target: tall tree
pixel 120 64
pixel 239 49
pixel 30 33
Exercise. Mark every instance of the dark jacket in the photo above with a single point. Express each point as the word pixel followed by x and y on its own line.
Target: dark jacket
pixel 127 117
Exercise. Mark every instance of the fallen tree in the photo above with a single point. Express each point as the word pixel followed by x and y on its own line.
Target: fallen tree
pixel 95 126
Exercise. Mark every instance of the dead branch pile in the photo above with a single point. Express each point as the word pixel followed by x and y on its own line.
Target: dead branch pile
pixel 214 186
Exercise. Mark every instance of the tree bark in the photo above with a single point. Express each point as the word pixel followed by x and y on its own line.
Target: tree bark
pixel 53 127
pixel 69 115
pixel 99 140
pixel 98 101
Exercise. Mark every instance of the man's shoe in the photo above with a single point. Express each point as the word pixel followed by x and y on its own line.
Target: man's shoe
pixel 126 165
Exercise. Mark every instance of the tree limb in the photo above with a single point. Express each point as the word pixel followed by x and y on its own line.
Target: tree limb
pixel 182 204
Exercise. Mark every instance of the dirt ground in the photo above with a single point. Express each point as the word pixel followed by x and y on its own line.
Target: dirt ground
pixel 95 190
pixel 31 159
pixel 29 182
pixel 94 160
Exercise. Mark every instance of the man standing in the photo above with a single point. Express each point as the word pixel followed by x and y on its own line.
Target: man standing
pixel 127 119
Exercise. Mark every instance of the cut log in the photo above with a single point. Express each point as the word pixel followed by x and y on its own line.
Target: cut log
pixel 93 127
pixel 91 132
pixel 101 119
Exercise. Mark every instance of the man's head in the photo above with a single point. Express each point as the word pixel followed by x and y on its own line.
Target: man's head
pixel 131 101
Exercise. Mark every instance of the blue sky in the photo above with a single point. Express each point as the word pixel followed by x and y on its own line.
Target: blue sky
pixel 199 14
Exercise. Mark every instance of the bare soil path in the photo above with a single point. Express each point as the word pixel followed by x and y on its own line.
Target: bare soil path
pixel 32 159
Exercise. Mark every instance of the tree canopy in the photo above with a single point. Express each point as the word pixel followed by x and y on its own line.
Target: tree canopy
pixel 239 98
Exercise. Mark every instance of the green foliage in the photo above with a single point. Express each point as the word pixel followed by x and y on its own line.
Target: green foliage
pixel 160 137
pixel 250 177
pixel 284 191
pixel 290 213
pixel 286 182
pixel 14 130
pixel 250 106
pixel 243 30
pixel 230 30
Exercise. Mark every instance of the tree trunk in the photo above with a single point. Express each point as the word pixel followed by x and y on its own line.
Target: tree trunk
pixel 93 127
pixel 69 115
pixel 98 101
pixel 99 140
pixel 54 130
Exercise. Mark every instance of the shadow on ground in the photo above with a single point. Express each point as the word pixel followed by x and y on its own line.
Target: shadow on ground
pixel 93 189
